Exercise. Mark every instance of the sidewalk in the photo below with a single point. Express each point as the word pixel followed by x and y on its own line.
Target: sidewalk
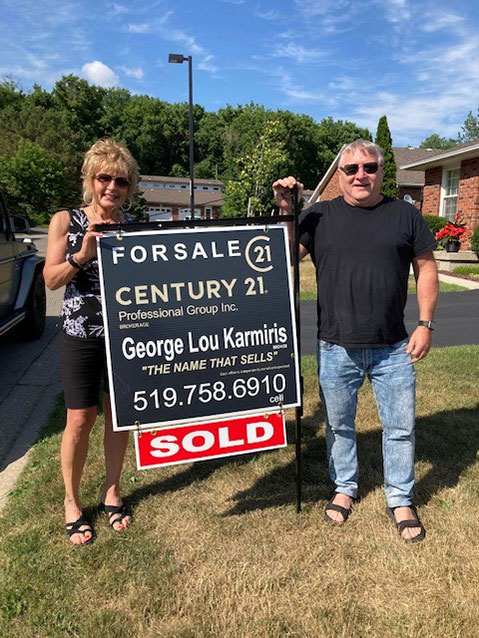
pixel 29 383
pixel 466 283
pixel 26 409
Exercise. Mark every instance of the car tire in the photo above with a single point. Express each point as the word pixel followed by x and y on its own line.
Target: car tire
pixel 33 325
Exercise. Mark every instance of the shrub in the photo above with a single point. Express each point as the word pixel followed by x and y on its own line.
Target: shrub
pixel 475 240
pixel 435 222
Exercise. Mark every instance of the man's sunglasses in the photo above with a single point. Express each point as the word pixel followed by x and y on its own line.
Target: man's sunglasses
pixel 121 182
pixel 351 169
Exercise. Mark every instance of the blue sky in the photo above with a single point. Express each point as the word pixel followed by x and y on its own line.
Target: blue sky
pixel 416 61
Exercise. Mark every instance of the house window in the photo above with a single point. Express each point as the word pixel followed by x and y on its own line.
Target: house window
pixel 450 187
pixel 159 214
pixel 184 213
pixel 207 213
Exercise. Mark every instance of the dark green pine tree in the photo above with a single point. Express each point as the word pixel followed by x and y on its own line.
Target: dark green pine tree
pixel 384 140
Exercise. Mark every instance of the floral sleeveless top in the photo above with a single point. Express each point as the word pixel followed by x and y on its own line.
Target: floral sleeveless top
pixel 81 311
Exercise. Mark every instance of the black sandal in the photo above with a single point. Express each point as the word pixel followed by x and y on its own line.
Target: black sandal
pixel 111 510
pixel 410 522
pixel 344 511
pixel 74 528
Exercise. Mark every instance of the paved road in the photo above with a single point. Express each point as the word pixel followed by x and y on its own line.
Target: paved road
pixel 29 382
pixel 29 371
pixel 457 320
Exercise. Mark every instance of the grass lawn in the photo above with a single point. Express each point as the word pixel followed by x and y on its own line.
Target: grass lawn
pixel 308 281
pixel 472 271
pixel 216 549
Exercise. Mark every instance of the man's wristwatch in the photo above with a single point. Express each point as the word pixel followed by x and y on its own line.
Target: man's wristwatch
pixel 74 263
pixel 428 324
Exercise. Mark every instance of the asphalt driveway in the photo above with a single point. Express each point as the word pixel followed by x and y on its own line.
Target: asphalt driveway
pixel 457 320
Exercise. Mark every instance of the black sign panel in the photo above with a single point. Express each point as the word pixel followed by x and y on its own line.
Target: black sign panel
pixel 199 324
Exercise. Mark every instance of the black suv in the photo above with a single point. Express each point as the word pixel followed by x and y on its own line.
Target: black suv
pixel 22 288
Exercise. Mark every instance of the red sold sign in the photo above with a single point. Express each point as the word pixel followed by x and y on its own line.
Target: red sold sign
pixel 173 445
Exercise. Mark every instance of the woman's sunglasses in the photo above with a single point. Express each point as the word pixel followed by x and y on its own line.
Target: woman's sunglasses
pixel 121 182
pixel 351 169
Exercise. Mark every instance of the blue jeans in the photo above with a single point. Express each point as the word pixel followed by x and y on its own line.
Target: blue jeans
pixel 341 373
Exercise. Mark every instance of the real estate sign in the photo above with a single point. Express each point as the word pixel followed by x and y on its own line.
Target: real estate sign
pixel 199 324
pixel 200 442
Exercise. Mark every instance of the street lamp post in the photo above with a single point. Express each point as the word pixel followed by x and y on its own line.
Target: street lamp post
pixel 177 58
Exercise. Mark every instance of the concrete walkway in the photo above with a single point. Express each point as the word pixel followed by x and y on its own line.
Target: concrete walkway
pixel 466 283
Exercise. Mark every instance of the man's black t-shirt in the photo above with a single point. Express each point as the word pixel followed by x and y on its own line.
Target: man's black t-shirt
pixel 362 258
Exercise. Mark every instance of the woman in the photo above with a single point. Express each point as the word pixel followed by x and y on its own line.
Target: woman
pixel 109 176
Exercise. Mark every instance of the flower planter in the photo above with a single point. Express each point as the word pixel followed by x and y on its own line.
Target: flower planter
pixel 453 246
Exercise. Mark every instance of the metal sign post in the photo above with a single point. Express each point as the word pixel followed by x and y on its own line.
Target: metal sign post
pixel 299 408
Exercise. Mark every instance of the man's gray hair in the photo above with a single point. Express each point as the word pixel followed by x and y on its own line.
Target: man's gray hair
pixel 367 147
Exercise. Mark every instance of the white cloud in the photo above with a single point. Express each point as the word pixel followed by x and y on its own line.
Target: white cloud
pixel 435 99
pixel 188 42
pixel 45 77
pixel 98 73
pixel 273 14
pixel 294 90
pixel 137 73
pixel 206 65
pixel 296 52
pixel 397 11
pixel 437 20
pixel 310 8
pixel 116 9
pixel 190 47
pixel 143 27
pixel 332 25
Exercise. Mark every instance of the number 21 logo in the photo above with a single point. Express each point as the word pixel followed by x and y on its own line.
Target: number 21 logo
pixel 258 255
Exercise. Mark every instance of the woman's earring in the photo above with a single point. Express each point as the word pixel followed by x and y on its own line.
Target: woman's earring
pixel 126 208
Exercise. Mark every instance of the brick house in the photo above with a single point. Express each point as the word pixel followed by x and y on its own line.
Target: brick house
pixel 451 183
pixel 410 183
pixel 168 198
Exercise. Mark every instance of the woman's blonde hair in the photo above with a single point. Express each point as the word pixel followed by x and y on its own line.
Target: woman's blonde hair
pixel 107 155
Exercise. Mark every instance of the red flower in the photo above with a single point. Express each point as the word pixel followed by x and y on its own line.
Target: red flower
pixel 453 231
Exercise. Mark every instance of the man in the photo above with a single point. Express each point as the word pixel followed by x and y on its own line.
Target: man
pixel 362 245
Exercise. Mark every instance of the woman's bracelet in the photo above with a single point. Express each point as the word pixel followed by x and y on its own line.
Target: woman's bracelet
pixel 75 264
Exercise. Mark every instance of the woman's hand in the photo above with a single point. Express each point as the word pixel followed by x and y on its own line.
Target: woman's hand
pixel 88 248
pixel 57 271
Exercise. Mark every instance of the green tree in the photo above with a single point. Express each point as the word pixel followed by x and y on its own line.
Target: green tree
pixel 34 182
pixel 435 141
pixel 384 140
pixel 81 105
pixel 470 129
pixel 251 194
pixel 64 122
pixel 10 93
pixel 332 135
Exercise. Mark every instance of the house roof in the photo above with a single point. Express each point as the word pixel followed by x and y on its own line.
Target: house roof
pixel 180 180
pixel 326 177
pixel 408 155
pixel 402 155
pixel 438 157
pixel 182 198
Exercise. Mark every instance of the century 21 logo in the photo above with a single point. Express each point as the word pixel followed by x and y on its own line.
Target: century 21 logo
pixel 258 253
